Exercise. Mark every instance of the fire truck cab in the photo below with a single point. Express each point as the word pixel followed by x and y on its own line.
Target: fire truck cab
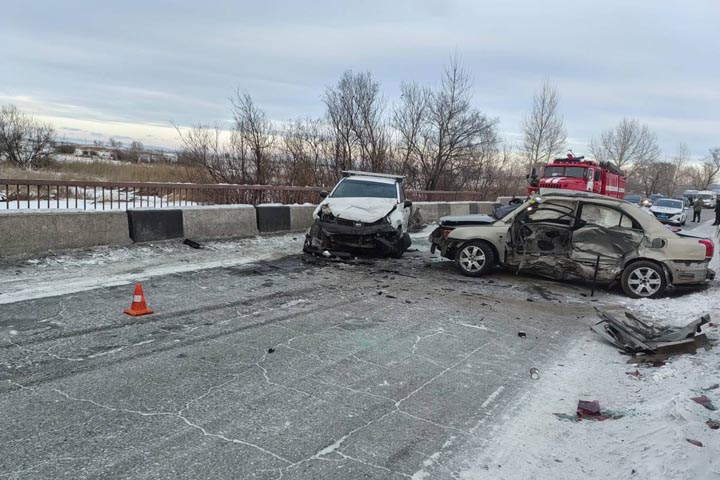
pixel 576 173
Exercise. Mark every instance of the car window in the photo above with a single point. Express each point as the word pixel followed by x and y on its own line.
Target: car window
pixel 576 172
pixel 360 188
pixel 553 172
pixel 550 211
pixel 669 203
pixel 603 216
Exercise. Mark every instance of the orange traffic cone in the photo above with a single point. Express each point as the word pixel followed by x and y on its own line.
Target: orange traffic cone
pixel 138 307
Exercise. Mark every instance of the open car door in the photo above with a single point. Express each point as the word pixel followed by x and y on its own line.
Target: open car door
pixel 540 239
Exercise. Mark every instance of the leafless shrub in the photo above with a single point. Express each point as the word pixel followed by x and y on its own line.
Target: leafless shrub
pixel 23 140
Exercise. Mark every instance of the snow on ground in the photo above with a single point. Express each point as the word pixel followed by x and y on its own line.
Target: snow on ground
pixel 648 442
pixel 99 267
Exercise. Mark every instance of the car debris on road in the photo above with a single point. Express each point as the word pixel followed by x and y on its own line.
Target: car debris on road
pixel 589 410
pixel 648 343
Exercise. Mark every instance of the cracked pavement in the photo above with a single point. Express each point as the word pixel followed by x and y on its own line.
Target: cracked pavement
pixel 279 369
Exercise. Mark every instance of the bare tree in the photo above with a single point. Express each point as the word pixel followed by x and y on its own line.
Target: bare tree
pixel 253 135
pixel 355 112
pixel 440 129
pixel 629 145
pixel 544 133
pixel 25 141
pixel 307 151
pixel 679 161
pixel 204 147
pixel 703 175
pixel 653 177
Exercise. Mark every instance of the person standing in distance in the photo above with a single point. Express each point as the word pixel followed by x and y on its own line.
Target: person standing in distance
pixel 717 213
pixel 697 209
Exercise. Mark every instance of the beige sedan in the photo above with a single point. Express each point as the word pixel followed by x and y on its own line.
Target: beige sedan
pixel 578 235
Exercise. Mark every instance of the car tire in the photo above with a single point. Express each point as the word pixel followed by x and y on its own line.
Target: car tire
pixel 643 279
pixel 475 258
pixel 402 245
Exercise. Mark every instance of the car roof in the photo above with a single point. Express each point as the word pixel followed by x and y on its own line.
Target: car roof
pixel 364 178
pixel 353 173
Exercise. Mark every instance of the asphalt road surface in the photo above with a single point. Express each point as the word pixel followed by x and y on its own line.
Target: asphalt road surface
pixel 294 368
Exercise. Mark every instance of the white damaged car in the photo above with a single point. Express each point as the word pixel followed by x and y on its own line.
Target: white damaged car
pixel 364 213
pixel 669 210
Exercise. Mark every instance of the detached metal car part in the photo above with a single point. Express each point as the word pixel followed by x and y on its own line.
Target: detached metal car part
pixel 577 235
pixel 364 213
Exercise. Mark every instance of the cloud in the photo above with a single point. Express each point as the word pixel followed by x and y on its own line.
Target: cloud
pixel 136 66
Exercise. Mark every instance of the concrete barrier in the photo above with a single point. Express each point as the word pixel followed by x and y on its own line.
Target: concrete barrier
pixel 219 221
pixel 432 211
pixel 150 225
pixel 24 233
pixel 273 218
pixel 301 216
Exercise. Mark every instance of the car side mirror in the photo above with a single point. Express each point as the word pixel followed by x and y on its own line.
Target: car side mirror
pixel 407 204
pixel 323 194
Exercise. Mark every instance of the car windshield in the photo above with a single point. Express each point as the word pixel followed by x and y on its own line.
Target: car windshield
pixel 706 196
pixel 553 171
pixel 669 203
pixel 633 198
pixel 575 172
pixel 361 188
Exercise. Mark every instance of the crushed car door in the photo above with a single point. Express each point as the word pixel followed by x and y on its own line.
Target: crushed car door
pixel 539 240
pixel 604 236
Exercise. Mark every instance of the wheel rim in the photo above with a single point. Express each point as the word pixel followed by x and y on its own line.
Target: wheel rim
pixel 644 281
pixel 472 258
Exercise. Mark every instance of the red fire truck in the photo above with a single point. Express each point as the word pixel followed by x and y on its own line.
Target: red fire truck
pixel 576 173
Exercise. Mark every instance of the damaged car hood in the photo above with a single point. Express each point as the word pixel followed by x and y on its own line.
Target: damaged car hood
pixel 366 210
pixel 454 221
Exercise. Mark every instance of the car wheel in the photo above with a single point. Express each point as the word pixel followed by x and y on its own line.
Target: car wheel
pixel 643 280
pixel 475 258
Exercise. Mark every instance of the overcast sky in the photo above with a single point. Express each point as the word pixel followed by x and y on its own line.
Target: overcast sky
pixel 127 69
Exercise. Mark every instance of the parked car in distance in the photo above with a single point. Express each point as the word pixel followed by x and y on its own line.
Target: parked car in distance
pixel 690 195
pixel 669 210
pixel 708 197
pixel 653 198
pixel 578 235
pixel 634 199
pixel 365 212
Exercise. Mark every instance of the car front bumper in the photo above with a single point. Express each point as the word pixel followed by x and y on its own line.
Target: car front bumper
pixel 329 236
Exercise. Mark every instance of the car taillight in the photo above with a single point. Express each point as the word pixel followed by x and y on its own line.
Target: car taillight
pixel 709 247
pixel 446 232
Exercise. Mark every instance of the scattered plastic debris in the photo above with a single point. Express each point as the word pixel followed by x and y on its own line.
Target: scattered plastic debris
pixel 192 244
pixel 712 387
pixel 648 343
pixel 270 350
pixel 635 374
pixel 522 335
pixel 589 410
pixel 697 443
pixel 534 373
pixel 704 401
pixel 713 424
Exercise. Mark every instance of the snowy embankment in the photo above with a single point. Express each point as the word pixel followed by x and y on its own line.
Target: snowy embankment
pixel 650 441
